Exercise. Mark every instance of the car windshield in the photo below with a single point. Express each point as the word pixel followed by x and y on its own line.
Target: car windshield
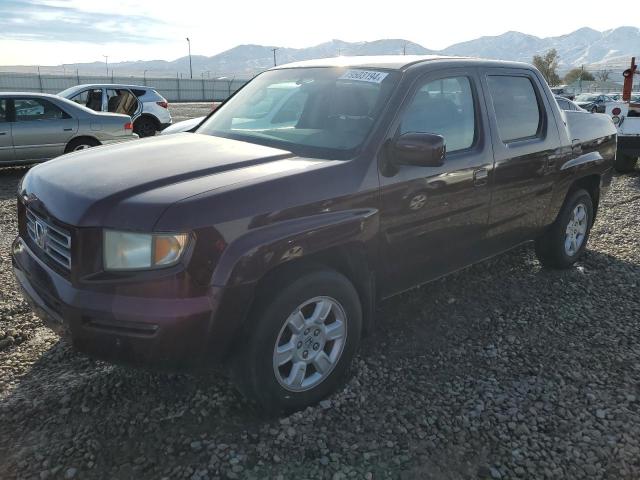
pixel 317 112
pixel 586 97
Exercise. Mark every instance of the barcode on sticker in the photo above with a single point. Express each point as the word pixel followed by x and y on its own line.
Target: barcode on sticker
pixel 364 76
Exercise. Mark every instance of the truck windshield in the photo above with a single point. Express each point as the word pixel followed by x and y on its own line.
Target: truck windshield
pixel 317 112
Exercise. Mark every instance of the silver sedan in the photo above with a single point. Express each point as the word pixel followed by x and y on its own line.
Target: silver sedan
pixel 37 126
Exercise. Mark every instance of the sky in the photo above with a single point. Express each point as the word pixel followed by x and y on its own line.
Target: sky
pixel 54 32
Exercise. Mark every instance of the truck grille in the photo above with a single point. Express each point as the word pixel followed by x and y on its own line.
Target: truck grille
pixel 55 242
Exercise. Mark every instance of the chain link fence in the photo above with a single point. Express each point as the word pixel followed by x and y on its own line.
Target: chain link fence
pixel 173 89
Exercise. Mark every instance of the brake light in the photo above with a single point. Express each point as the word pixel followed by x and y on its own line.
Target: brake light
pixel 128 126
pixel 163 104
pixel 616 111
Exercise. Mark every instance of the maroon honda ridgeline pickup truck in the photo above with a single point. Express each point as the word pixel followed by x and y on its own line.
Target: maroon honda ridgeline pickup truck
pixel 263 241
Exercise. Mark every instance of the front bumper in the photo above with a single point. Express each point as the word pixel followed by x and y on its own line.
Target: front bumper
pixel 163 332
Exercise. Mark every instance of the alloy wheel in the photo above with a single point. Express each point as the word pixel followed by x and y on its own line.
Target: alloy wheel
pixel 576 230
pixel 310 344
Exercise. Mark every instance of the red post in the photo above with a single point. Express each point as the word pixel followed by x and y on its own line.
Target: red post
pixel 628 80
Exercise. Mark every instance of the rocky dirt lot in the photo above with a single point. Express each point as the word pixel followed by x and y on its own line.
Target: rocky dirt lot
pixel 184 111
pixel 504 370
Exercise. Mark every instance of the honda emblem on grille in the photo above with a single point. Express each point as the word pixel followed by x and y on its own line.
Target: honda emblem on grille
pixel 40 234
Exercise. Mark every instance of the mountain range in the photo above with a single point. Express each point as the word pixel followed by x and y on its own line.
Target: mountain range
pixel 610 49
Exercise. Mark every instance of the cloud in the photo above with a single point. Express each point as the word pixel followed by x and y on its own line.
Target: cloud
pixel 42 20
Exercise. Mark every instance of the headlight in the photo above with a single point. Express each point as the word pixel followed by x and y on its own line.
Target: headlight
pixel 136 251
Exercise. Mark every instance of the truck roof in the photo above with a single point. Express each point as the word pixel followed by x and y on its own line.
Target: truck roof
pixel 394 62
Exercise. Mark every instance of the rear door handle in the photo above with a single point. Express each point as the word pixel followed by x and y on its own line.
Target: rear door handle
pixel 480 177
pixel 67 129
pixel 3 133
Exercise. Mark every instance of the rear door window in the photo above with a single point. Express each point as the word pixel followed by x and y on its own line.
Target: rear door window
pixel 518 113
pixel 121 101
pixel 30 109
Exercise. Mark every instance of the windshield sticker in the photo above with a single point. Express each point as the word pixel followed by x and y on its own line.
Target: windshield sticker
pixel 370 76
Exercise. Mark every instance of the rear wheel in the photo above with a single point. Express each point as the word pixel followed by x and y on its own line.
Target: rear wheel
pixel 81 144
pixel 303 335
pixel 145 127
pixel 566 239
pixel 625 163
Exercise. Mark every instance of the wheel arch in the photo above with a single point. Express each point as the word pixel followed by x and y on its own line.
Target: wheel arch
pixel 148 116
pixel 80 137
pixel 590 183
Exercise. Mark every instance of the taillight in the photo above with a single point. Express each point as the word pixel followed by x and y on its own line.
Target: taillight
pixel 163 104
pixel 128 126
pixel 616 111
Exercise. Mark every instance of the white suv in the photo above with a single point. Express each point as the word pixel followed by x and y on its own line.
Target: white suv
pixel 148 109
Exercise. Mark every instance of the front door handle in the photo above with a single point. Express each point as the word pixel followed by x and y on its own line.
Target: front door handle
pixel 67 129
pixel 3 133
pixel 480 177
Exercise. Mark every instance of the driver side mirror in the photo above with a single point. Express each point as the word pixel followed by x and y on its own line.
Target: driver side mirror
pixel 419 149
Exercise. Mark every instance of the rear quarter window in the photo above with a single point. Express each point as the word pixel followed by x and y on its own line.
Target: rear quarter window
pixel 518 112
pixel 138 93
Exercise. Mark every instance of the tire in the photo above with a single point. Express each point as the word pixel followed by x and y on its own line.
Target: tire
pixel 268 377
pixel 78 144
pixel 555 248
pixel 625 163
pixel 145 127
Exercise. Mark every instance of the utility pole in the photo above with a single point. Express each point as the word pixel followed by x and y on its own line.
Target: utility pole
pixel 190 66
pixel 404 49
pixel 106 63
pixel 144 76
pixel 274 56
pixel 581 74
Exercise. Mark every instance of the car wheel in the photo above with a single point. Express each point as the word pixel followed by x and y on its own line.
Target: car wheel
pixel 566 239
pixel 144 127
pixel 81 144
pixel 625 163
pixel 303 334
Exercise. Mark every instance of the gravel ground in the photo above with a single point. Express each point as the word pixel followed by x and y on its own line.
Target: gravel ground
pixel 504 370
pixel 184 111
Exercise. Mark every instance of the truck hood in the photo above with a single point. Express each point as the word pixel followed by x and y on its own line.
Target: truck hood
pixel 129 185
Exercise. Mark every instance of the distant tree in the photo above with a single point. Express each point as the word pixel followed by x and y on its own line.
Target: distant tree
pixel 548 66
pixel 603 75
pixel 578 74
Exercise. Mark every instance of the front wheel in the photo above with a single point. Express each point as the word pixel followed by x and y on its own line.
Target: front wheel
pixel 566 239
pixel 303 335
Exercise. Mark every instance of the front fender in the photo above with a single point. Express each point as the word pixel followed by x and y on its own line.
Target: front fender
pixel 251 256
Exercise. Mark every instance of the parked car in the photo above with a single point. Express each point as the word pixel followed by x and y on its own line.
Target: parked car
pixel 264 241
pixel 566 104
pixel 36 127
pixel 148 109
pixel 563 91
pixel 188 125
pixel 593 102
